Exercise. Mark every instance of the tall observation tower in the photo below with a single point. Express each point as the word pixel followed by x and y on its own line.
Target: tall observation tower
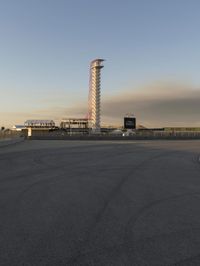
pixel 94 105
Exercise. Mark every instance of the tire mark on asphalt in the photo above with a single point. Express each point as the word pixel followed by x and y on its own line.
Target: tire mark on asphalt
pixel 112 195
pixel 133 219
pixel 46 166
pixel 44 181
pixel 62 173
pixel 121 248
pixel 13 143
pixel 188 261
pixel 198 159
pixel 129 243
pixel 76 256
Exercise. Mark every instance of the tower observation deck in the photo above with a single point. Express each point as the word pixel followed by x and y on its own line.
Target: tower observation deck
pixel 94 103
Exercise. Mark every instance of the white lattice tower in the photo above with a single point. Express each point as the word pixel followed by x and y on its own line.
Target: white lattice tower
pixel 94 106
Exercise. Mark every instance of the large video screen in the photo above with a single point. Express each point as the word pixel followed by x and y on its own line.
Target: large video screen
pixel 129 122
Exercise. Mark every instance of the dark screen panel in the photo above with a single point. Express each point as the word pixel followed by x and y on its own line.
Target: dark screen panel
pixel 129 122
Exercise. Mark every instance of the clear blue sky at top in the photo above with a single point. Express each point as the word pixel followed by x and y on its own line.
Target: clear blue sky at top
pixel 46 45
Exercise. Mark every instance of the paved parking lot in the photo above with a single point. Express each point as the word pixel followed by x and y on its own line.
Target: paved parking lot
pixel 100 203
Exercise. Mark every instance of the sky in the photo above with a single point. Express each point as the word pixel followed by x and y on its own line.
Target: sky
pixel 152 62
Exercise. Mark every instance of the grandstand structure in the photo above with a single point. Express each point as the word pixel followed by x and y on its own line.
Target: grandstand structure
pixel 48 124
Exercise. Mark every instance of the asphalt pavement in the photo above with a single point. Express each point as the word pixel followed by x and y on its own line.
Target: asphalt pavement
pixel 100 203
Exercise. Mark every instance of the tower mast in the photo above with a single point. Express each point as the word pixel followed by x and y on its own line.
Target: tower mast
pixel 94 105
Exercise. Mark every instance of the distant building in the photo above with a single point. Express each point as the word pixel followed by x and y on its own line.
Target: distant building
pixel 186 129
pixel 18 127
pixel 68 123
pixel 39 124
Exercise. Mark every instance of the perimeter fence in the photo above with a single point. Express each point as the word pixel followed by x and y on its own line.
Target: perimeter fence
pixel 9 134
pixel 137 136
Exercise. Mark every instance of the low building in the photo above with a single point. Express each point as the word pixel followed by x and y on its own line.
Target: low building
pixel 68 123
pixel 18 127
pixel 75 125
pixel 181 129
pixel 40 124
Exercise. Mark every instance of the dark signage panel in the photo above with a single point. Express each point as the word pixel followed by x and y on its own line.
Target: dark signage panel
pixel 129 122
